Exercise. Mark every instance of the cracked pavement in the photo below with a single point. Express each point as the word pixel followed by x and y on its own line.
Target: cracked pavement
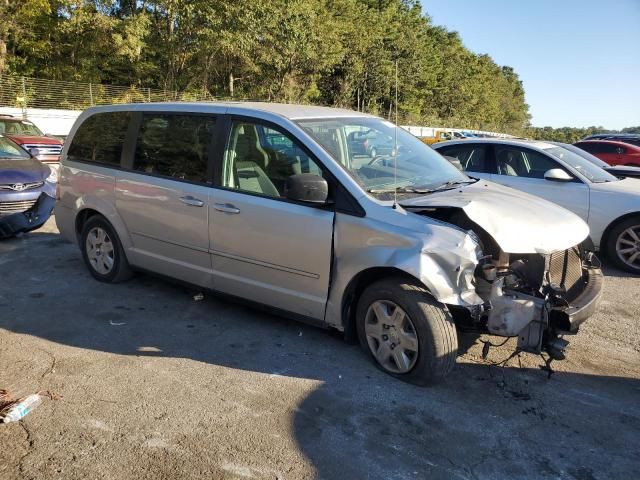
pixel 156 385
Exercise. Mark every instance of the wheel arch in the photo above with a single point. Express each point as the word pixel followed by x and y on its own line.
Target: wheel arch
pixel 358 284
pixel 607 231
pixel 82 217
pixel 89 206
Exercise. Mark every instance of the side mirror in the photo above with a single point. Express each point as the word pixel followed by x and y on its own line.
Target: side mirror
pixel 557 175
pixel 307 187
pixel 35 152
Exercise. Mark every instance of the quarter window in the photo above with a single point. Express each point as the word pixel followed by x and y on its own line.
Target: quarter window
pixel 100 138
pixel 174 145
pixel 259 159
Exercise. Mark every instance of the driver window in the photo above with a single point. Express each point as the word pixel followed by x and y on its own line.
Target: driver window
pixel 519 162
pixel 259 159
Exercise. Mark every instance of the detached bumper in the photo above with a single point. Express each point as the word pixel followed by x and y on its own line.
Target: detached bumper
pixel 568 320
pixel 31 219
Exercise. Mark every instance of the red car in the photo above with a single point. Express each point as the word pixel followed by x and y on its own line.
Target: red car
pixel 28 136
pixel 611 152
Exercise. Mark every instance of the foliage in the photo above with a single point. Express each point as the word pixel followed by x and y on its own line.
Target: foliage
pixel 569 134
pixel 332 52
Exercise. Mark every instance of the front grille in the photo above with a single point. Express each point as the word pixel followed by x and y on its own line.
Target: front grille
pixel 565 271
pixel 15 207
pixel 45 149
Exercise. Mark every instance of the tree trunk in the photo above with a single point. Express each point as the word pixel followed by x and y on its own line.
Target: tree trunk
pixel 231 80
pixel 3 55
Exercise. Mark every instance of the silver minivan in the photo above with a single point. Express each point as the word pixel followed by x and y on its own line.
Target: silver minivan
pixel 284 206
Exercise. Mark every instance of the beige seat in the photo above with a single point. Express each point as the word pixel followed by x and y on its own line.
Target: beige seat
pixel 505 163
pixel 248 148
pixel 251 178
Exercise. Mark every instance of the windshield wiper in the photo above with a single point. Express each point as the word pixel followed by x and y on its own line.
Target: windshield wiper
pixel 399 190
pixel 452 184
pixel 422 190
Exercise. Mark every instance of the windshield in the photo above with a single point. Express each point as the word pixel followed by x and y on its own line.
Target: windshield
pixel 365 147
pixel 584 154
pixel 8 149
pixel 19 127
pixel 592 172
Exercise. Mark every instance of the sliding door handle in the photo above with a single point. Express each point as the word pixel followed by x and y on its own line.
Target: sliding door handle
pixel 191 201
pixel 226 208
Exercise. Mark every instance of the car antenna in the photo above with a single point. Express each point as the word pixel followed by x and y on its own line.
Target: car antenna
pixel 395 148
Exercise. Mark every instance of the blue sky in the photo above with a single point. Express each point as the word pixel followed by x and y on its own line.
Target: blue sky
pixel 579 60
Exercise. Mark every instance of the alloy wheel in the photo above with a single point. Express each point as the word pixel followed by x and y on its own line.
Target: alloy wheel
pixel 628 246
pixel 100 251
pixel 391 336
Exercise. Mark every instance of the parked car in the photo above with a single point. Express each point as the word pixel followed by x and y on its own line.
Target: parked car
pixel 370 143
pixel 632 138
pixel 29 137
pixel 613 153
pixel 197 193
pixel 609 205
pixel 27 190
pixel 439 135
pixel 618 171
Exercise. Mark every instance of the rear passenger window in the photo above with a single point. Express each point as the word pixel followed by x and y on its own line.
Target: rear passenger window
pixel 470 156
pixel 100 138
pixel 607 148
pixel 588 147
pixel 174 145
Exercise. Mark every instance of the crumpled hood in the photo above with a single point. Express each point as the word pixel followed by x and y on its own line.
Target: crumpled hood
pixel 517 221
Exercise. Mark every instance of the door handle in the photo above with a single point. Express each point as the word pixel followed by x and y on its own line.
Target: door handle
pixel 191 201
pixel 226 208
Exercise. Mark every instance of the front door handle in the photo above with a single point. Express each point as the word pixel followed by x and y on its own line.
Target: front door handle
pixel 226 208
pixel 191 201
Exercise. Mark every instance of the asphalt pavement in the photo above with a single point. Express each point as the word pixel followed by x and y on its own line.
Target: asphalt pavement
pixel 157 385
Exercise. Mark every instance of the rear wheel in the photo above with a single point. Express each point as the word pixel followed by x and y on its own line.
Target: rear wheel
pixel 623 245
pixel 103 252
pixel 406 332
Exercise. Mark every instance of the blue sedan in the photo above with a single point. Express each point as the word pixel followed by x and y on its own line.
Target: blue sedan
pixel 27 190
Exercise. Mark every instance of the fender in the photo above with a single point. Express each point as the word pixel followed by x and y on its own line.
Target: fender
pixel 442 259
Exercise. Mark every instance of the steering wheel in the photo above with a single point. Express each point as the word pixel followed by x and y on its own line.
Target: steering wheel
pixel 379 159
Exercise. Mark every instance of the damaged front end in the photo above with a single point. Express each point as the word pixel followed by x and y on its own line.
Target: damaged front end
pixel 538 296
pixel 34 217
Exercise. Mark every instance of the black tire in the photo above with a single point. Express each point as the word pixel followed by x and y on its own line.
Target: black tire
pixel 120 270
pixel 611 248
pixel 432 323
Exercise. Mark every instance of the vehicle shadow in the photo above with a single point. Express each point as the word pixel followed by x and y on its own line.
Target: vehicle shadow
pixel 483 422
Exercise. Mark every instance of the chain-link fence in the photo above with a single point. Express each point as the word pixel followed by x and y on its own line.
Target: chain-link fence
pixel 26 92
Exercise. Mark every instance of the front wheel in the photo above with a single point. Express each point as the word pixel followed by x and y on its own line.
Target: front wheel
pixel 623 245
pixel 406 332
